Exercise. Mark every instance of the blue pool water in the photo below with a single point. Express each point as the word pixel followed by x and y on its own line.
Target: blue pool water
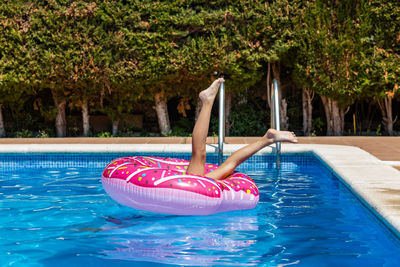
pixel 54 212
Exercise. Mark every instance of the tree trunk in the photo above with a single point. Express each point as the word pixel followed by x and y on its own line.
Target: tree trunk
pixel 198 109
pixel 307 96
pixel 343 112
pixel 284 117
pixel 385 106
pixel 85 117
pixel 276 69
pixel 61 121
pixel 369 115
pixel 328 115
pixel 2 130
pixel 242 97
pixel 228 107
pixel 334 116
pixel 162 113
pixel 115 127
pixel 269 85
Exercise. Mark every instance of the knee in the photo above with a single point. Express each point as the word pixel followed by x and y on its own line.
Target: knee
pixel 228 166
pixel 199 154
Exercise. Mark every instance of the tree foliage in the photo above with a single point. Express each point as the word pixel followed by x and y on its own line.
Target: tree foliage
pixel 109 55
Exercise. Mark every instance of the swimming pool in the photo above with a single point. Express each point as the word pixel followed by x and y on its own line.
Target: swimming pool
pixel 54 212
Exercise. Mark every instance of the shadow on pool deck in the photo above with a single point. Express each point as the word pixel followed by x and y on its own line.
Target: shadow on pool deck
pixel 384 148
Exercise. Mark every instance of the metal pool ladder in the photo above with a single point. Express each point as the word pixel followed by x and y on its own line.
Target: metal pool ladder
pixel 275 111
pixel 221 123
pixel 275 119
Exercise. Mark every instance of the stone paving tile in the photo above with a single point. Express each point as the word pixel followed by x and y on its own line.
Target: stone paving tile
pixel 384 148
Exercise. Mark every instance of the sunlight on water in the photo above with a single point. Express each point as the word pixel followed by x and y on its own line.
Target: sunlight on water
pixel 62 217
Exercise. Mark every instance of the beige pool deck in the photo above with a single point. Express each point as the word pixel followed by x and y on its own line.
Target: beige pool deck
pixel 370 166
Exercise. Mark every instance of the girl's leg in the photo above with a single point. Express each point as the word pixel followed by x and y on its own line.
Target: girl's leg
pixel 272 136
pixel 200 130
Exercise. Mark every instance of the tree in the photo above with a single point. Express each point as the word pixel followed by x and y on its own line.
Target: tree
pixel 328 50
pixel 67 58
pixel 47 43
pixel 14 25
pixel 270 36
pixel 380 58
pixel 84 57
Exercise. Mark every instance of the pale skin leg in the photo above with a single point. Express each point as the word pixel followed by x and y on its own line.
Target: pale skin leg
pixel 230 164
pixel 200 130
pixel 199 137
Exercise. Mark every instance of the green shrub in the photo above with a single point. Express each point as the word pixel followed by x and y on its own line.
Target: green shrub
pixel 178 131
pixel 247 120
pixel 318 127
pixel 24 134
pixel 43 134
pixel 379 130
pixel 104 135
pixel 183 127
pixel 144 133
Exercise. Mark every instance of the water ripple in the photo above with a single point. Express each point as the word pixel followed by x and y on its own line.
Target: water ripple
pixel 60 217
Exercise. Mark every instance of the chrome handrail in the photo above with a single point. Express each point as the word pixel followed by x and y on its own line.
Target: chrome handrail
pixel 275 111
pixel 221 123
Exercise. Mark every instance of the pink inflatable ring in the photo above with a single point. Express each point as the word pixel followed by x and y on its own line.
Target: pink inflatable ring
pixel 162 185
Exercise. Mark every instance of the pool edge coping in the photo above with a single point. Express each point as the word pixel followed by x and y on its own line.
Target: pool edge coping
pixel 375 182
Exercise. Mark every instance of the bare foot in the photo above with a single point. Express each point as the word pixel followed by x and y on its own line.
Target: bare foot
pixel 208 95
pixel 281 136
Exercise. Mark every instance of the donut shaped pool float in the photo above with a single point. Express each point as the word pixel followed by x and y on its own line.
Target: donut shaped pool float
pixel 162 185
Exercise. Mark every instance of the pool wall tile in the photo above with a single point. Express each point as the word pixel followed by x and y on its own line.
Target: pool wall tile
pixel 14 161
